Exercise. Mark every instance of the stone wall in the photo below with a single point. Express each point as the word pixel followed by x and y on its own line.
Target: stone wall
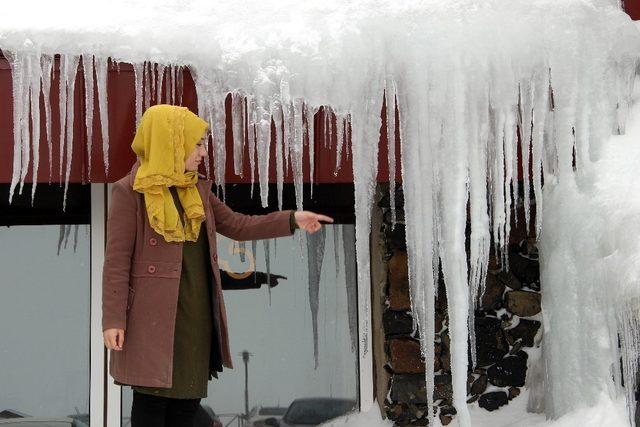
pixel 507 324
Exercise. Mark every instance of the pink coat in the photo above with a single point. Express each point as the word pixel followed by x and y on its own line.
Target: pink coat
pixel 141 277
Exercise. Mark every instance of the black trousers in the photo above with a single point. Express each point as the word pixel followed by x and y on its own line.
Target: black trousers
pixel 159 411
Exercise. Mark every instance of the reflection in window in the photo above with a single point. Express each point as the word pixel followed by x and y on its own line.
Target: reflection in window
pixel 44 323
pixel 275 325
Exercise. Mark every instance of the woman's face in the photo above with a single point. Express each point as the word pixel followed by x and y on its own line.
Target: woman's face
pixel 195 158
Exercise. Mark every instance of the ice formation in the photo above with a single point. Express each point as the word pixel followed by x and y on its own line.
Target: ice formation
pixel 591 300
pixel 315 255
pixel 475 83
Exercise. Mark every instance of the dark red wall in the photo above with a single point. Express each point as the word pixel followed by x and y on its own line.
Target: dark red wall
pixel 633 8
pixel 121 95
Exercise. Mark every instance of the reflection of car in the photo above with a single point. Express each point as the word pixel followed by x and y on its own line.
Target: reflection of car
pixel 37 422
pixel 11 418
pixel 205 417
pixel 80 420
pixel 260 414
pixel 312 411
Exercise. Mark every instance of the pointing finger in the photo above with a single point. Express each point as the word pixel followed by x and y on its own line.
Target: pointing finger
pixel 324 218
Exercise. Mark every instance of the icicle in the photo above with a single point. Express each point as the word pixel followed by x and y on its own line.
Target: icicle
pixel 174 77
pixel 153 81
pixel 62 110
pixel 180 84
pixel 350 278
pixel 336 256
pixel 138 70
pixel 167 87
pixel 147 84
pixel 25 133
pixel 451 148
pixel 366 114
pixel 46 67
pixel 480 239
pixel 497 182
pixel 263 143
pixel 419 219
pixel 339 144
pixel 251 124
pixel 526 106
pixel 267 260
pixel 349 137
pixel 325 127
pixel 390 92
pixel 541 107
pixel 310 115
pixel 87 66
pixel 315 255
pixel 287 117
pixel 219 127
pixel 510 159
pixel 297 150
pixel 161 69
pixel 75 237
pixel 237 120
pixel 34 93
pixel 276 109
pixel 102 72
pixel 330 118
pixel 70 78
pixel 61 232
pixel 67 232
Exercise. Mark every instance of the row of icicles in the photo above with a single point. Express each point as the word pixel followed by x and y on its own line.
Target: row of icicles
pixel 34 76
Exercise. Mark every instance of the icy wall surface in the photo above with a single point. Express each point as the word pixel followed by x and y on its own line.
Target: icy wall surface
pixel 591 298
pixel 475 82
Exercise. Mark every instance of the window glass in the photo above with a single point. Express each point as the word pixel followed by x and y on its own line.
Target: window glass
pixel 44 323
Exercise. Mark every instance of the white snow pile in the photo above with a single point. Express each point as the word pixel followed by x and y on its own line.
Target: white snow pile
pixel 370 418
pixel 606 412
pixel 590 268
pixel 473 82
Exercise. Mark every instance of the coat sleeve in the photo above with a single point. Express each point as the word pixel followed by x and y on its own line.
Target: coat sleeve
pixel 121 234
pixel 243 227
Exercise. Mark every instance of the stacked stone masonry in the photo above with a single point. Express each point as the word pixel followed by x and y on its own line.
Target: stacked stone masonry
pixel 507 326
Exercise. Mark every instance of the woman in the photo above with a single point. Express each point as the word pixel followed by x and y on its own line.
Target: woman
pixel 161 281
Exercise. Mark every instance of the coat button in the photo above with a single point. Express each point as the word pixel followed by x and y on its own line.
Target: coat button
pixel 153 241
pixel 151 269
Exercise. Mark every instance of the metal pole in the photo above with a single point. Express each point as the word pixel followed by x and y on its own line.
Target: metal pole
pixel 245 359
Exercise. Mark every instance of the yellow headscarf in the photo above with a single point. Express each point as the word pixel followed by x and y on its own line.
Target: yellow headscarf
pixel 165 137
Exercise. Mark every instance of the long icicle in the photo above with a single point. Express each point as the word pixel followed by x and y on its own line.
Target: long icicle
pixel 70 78
pixel 102 73
pixel 34 94
pixel 46 66
pixel 87 65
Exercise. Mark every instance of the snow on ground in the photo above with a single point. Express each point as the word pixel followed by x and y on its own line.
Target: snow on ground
pixel 607 413
pixel 371 418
